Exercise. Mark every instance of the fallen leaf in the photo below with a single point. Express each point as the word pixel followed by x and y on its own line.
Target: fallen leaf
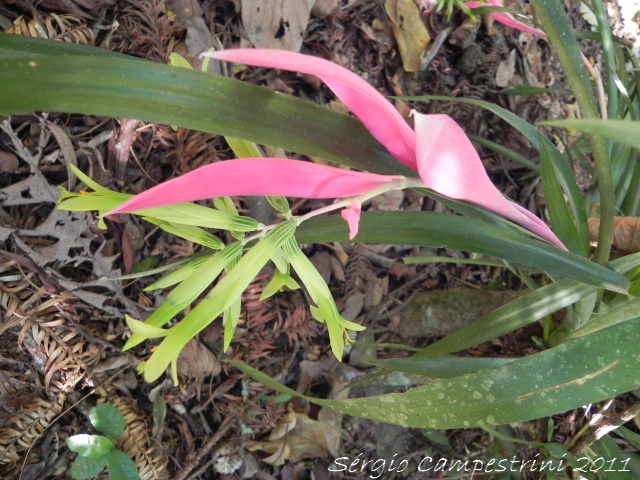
pixel 297 437
pixel 8 162
pixel 506 69
pixel 410 32
pixel 325 8
pixel 188 14
pixel 197 361
pixel 626 233
pixel 276 23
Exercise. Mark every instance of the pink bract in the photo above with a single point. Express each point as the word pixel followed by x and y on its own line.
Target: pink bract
pixel 505 18
pixel 438 149
pixel 352 216
pixel 374 111
pixel 257 176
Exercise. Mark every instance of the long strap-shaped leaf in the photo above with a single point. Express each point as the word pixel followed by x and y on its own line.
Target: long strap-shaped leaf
pixel 58 79
pixel 579 372
pixel 440 230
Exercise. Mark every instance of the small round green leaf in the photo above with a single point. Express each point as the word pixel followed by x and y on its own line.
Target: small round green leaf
pixel 107 419
pixel 86 467
pixel 121 467
pixel 93 446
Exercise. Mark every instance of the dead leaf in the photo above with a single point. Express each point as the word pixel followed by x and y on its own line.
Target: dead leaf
pixel 8 162
pixel 189 15
pixel 410 32
pixel 626 233
pixel 276 23
pixel 325 8
pixel 506 69
pixel 197 361
pixel 297 437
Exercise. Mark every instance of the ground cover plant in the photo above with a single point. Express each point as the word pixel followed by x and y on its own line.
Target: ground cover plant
pixel 585 301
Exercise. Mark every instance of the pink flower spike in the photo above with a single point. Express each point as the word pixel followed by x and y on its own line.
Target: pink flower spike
pixel 352 217
pixel 257 176
pixel 374 111
pixel 505 18
pixel 449 164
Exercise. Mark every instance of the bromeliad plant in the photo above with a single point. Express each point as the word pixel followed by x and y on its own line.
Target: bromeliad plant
pixel 438 149
pixel 435 158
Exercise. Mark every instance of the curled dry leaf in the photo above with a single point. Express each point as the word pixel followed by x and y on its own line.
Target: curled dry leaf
pixel 276 23
pixel 296 437
pixel 626 233
pixel 410 32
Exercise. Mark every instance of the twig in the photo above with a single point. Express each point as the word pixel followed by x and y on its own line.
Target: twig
pixel 605 426
pixel 195 460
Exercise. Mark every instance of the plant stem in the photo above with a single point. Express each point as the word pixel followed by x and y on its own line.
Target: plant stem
pixel 556 25
pixel 400 183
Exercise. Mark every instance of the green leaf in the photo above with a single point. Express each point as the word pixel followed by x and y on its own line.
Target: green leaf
pixel 94 446
pixel 625 132
pixel 185 293
pixel 560 33
pixel 178 275
pixel 197 215
pixel 189 232
pixel 107 419
pixel 91 202
pixel 45 75
pixel 576 373
pixel 121 467
pixel 439 367
pixel 87 467
pixel 144 330
pixel 516 314
pixel 277 283
pixel 559 213
pixel 230 319
pixel 449 231
pixel 177 60
pixel 221 297
pixel 242 148
pixel 624 312
pixel 522 311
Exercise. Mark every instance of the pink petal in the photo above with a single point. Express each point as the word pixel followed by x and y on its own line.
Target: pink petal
pixel 256 176
pixel 449 164
pixel 505 18
pixel 352 217
pixel 374 111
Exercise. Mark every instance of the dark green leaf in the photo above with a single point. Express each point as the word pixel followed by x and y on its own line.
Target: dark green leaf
pixel 576 373
pixel 58 79
pixel 450 231
pixel 439 367
pixel 107 419
pixel 86 467
pixel 121 467
pixel 623 131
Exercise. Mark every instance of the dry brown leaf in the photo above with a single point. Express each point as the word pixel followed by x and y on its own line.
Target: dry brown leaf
pixel 325 8
pixel 189 15
pixel 197 361
pixel 276 23
pixel 296 437
pixel 8 162
pixel 506 70
pixel 626 233
pixel 410 32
